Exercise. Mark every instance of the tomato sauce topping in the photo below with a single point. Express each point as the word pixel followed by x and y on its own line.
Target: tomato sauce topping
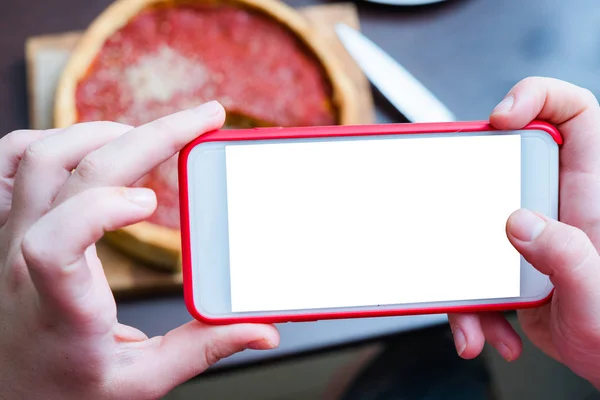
pixel 172 58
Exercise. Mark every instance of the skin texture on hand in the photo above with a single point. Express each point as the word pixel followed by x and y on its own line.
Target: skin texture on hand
pixel 568 327
pixel 59 334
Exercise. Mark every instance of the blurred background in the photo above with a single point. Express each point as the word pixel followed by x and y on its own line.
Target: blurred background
pixel 469 53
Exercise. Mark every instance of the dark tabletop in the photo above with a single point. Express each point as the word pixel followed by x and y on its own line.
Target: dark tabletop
pixel 468 52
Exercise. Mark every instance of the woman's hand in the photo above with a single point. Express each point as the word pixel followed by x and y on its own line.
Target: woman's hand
pixel 59 334
pixel 568 328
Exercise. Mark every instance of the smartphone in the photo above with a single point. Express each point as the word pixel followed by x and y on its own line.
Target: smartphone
pixel 312 223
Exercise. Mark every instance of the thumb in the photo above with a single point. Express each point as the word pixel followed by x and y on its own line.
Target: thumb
pixel 565 254
pixel 189 350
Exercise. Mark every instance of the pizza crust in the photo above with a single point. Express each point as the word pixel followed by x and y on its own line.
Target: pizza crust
pixel 160 247
pixel 157 245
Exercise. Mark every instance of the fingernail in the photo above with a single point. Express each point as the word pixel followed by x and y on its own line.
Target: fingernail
pixel 262 344
pixel 460 341
pixel 526 225
pixel 210 109
pixel 504 352
pixel 505 105
pixel 143 197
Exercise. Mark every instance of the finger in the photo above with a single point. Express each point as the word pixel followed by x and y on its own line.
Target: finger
pixel 468 335
pixel 500 334
pixel 536 324
pixel 576 113
pixel 566 255
pixel 14 144
pixel 47 165
pixel 124 161
pixel 12 147
pixel 190 349
pixel 53 248
pixel 573 109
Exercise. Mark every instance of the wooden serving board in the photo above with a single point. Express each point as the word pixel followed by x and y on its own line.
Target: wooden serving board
pixel 47 55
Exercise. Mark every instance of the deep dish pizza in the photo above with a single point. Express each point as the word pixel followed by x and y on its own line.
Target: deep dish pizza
pixel 141 60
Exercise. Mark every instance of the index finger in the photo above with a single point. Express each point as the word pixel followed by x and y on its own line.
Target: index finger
pixel 125 160
pixel 12 148
pixel 572 109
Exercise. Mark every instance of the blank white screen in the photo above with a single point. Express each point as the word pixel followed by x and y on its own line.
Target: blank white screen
pixel 359 223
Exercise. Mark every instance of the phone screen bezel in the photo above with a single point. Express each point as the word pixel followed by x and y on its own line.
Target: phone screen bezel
pixel 207 289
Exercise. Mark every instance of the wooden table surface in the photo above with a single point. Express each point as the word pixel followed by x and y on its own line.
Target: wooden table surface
pixel 468 52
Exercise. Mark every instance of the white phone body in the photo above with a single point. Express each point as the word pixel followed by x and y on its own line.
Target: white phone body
pixel 299 224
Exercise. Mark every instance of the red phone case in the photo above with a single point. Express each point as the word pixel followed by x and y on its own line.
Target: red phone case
pixel 321 132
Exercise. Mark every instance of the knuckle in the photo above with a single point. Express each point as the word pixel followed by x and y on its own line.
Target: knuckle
pixel 95 198
pixel 95 201
pixel 89 168
pixel 569 249
pixel 108 126
pixel 15 139
pixel 32 251
pixel 531 81
pixel 172 123
pixel 90 323
pixel 164 124
pixel 98 195
pixel 37 153
pixel 212 354
pixel 588 96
